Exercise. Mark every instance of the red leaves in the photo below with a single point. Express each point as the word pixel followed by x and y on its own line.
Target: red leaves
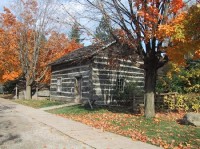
pixel 139 136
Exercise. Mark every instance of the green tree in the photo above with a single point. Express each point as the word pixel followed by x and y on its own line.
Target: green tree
pixel 75 33
pixel 103 32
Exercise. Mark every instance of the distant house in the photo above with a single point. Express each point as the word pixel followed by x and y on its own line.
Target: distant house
pixel 84 75
pixel 1 89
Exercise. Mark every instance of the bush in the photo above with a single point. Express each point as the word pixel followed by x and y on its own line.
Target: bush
pixel 182 80
pixel 9 87
pixel 165 85
pixel 180 102
pixel 126 97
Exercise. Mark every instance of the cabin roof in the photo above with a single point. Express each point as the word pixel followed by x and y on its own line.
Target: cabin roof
pixel 82 53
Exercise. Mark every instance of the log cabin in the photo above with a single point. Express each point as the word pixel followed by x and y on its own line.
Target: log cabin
pixel 90 74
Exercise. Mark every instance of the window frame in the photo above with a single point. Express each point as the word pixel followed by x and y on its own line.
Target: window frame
pixel 120 83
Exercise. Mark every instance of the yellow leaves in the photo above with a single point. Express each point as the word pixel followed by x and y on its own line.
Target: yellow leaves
pixel 184 41
pixel 164 31
pixel 184 32
pixel 174 28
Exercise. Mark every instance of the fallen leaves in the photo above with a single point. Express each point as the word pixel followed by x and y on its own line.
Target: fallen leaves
pixel 138 128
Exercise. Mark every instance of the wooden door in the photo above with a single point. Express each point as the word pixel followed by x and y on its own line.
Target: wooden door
pixel 78 91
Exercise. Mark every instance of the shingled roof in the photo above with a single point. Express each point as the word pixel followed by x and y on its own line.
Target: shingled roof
pixel 81 53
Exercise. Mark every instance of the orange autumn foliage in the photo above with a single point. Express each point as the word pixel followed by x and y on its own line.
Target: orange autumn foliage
pixel 184 34
pixel 57 46
pixel 151 16
pixel 9 62
pixel 52 48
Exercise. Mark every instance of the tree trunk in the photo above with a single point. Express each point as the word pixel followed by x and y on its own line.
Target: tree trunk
pixel 16 92
pixel 150 84
pixel 28 92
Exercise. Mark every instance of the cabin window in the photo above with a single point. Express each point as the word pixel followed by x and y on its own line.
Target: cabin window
pixel 59 84
pixel 120 84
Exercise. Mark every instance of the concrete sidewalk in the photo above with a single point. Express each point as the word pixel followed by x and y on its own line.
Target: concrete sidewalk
pixel 81 132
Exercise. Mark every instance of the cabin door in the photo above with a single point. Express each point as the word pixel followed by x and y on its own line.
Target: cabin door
pixel 77 88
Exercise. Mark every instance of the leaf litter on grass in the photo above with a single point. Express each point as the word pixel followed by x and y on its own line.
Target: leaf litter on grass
pixel 162 131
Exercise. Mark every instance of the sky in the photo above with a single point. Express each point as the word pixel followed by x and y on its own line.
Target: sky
pixel 4 3
pixel 79 11
pixel 65 20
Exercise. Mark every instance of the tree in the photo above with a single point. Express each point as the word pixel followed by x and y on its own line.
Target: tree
pixel 9 62
pixel 56 46
pixel 32 26
pixel 184 31
pixel 75 33
pixel 139 22
pixel 103 30
pixel 25 40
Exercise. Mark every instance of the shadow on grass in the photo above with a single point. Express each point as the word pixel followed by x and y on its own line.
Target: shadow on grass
pixel 102 108
pixel 127 110
pixel 80 109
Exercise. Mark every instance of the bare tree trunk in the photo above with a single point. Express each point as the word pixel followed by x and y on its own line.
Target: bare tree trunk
pixel 150 83
pixel 28 92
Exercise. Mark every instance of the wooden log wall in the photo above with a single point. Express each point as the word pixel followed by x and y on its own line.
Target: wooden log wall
pixel 104 79
pixel 68 76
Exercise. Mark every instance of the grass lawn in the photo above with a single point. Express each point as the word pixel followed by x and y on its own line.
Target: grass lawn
pixel 164 130
pixel 38 103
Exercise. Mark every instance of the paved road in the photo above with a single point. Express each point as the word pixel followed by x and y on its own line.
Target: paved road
pixel 19 131
pixel 23 127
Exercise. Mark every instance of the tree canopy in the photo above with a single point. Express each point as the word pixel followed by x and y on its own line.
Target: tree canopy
pixel 103 32
pixel 29 44
pixel 139 23
pixel 75 33
pixel 183 32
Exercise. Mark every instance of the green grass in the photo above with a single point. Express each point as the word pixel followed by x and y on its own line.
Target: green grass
pixel 167 129
pixel 76 110
pixel 38 103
